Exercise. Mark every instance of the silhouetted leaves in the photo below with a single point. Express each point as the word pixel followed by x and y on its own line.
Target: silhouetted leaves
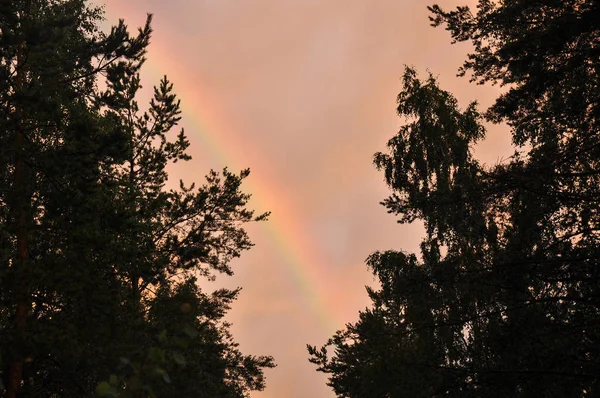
pixel 98 258
pixel 503 300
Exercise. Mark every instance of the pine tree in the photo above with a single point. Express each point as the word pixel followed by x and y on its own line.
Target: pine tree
pixel 170 236
pixel 88 231
pixel 54 147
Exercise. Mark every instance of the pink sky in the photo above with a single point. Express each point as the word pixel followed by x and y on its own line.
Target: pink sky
pixel 303 93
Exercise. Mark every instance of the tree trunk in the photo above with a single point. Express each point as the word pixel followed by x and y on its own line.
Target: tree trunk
pixel 20 209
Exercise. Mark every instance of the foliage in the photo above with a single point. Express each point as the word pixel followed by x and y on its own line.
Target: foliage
pixel 503 300
pixel 91 241
pixel 54 149
pixel 210 356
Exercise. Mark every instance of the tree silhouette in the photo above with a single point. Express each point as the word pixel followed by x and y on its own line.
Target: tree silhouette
pixel 503 300
pixel 92 244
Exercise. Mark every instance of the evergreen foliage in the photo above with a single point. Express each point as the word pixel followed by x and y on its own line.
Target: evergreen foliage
pixel 97 257
pixel 503 299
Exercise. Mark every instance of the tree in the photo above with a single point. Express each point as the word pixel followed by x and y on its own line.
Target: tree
pixel 54 147
pixel 504 299
pixel 87 228
pixel 171 235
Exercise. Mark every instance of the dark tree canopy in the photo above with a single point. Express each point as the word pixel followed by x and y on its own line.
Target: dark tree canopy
pixel 504 298
pixel 98 260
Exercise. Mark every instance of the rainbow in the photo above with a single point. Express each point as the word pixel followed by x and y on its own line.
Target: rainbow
pixel 294 247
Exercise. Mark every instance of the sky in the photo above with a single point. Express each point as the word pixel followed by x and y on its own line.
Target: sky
pixel 302 92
